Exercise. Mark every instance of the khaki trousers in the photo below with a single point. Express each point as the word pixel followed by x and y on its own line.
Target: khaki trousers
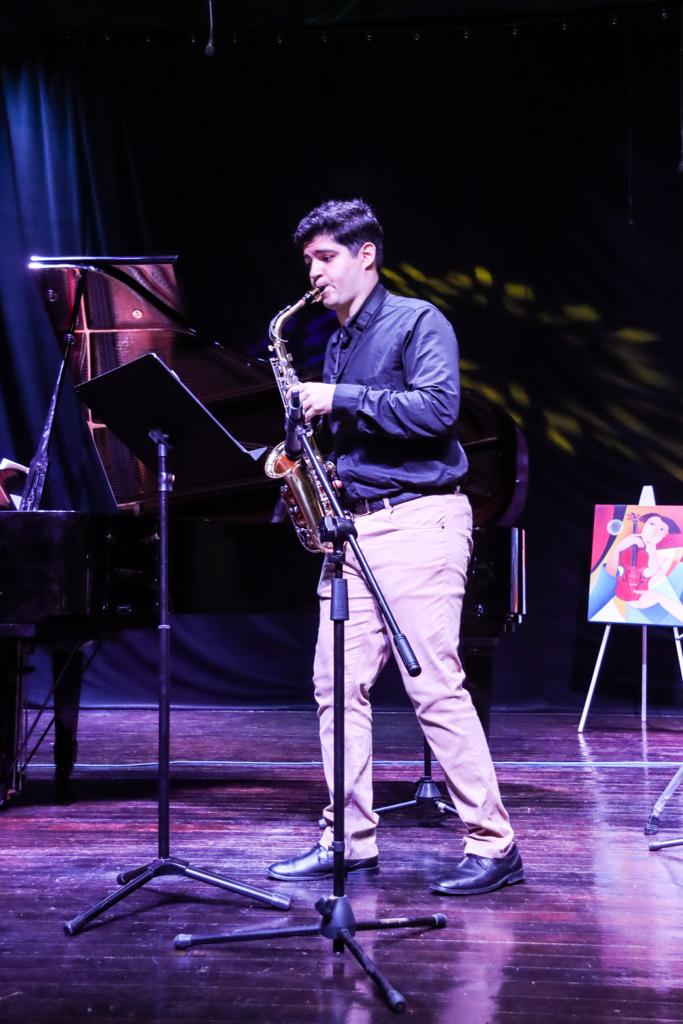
pixel 419 551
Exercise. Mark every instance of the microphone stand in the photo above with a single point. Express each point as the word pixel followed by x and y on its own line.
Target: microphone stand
pixel 428 800
pixel 338 922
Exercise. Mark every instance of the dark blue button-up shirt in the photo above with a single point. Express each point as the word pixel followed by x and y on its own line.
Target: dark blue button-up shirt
pixel 397 399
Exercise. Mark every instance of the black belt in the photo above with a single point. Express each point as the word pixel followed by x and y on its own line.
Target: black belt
pixel 364 506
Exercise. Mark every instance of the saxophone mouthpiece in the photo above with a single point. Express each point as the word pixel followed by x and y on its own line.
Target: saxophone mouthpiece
pixel 313 296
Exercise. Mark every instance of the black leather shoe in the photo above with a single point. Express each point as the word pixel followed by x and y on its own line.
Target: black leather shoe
pixel 318 863
pixel 475 875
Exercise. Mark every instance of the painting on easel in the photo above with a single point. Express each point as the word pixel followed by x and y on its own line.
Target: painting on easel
pixel 637 565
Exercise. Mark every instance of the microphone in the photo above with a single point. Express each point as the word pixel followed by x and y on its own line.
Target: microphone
pixel 293 420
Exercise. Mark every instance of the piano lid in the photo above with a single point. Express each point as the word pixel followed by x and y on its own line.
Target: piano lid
pixel 120 292
pixel 498 458
pixel 121 308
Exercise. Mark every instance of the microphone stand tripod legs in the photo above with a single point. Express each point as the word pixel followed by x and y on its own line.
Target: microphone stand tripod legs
pixel 338 922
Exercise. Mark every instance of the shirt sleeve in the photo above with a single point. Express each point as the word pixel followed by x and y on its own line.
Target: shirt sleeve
pixel 427 402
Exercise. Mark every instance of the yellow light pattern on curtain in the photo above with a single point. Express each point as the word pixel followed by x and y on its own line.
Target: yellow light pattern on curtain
pixel 628 401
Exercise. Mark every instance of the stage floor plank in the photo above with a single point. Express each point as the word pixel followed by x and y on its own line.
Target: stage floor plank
pixel 595 934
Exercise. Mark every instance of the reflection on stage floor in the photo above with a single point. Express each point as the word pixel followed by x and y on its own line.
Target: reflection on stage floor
pixel 595 934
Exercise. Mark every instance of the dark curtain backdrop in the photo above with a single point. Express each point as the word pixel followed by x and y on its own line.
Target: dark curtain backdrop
pixel 528 183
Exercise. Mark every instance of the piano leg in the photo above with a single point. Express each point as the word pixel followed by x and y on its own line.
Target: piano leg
pixel 12 765
pixel 67 674
pixel 8 698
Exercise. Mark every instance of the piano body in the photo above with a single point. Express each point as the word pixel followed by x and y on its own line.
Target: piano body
pixel 68 577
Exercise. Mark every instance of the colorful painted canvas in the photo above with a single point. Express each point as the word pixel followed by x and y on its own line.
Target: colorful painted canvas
pixel 636 565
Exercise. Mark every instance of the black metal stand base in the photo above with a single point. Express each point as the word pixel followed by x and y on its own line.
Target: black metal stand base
pixel 137 877
pixel 666 844
pixel 428 801
pixel 338 922
pixel 339 925
pixel 652 823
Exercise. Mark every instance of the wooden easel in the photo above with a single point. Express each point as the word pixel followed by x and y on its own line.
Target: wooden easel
pixel 647 497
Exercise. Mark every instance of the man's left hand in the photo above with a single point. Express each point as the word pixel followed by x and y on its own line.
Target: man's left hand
pixel 316 399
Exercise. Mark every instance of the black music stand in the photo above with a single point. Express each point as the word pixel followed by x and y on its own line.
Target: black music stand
pixel 149 408
pixel 338 922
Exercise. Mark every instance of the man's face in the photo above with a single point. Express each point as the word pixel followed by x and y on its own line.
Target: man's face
pixel 342 276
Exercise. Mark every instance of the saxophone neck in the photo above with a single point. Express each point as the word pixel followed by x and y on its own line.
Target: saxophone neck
pixel 278 321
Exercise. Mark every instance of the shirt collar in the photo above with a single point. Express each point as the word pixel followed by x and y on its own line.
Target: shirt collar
pixel 367 311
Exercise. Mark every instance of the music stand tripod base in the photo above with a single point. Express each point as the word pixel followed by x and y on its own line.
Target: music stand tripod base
pixel 137 877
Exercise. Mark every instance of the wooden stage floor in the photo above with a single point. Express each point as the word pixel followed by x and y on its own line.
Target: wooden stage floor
pixel 595 934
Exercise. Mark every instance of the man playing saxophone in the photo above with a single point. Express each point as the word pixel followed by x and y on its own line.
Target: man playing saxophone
pixel 389 401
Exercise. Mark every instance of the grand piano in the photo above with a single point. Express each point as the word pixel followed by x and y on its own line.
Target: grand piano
pixel 68 577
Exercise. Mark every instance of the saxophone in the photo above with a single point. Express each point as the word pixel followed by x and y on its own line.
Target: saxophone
pixel 301 490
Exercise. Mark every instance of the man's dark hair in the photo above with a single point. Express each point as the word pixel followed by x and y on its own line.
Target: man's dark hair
pixel 349 221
